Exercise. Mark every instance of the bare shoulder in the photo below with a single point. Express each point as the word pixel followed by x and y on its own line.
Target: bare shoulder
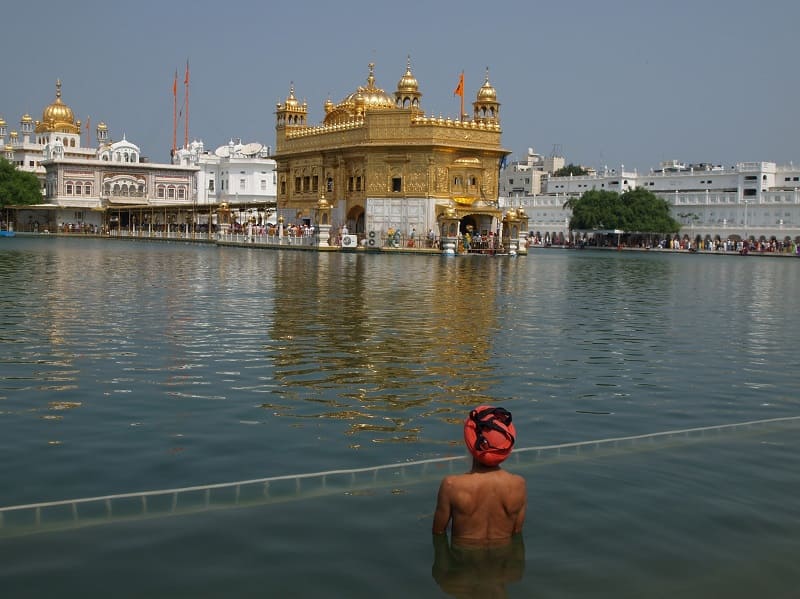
pixel 450 483
pixel 515 482
pixel 450 480
pixel 517 478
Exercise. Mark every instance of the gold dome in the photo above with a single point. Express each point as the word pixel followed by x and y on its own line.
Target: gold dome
pixel 291 101
pixel 2 122
pixel 26 118
pixel 408 83
pixel 364 98
pixel 102 126
pixel 487 93
pixel 58 116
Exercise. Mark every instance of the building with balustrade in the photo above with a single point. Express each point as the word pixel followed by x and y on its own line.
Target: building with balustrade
pixel 378 163
pixel 89 188
pixel 747 200
pixel 241 177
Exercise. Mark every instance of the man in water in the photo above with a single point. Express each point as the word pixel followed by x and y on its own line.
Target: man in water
pixel 487 504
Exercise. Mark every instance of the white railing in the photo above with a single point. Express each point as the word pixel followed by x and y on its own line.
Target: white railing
pixel 29 518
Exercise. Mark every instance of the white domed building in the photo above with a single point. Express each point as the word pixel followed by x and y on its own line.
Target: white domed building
pixel 91 189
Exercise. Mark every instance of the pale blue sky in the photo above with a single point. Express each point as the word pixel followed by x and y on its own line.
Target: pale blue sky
pixel 610 82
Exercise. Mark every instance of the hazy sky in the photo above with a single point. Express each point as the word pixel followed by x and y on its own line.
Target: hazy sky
pixel 607 82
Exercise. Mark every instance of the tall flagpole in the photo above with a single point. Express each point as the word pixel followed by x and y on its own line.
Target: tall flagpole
pixel 461 115
pixel 175 113
pixel 186 108
pixel 459 91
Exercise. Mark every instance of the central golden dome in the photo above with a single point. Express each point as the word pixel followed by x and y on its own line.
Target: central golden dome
pixel 58 116
pixel 364 98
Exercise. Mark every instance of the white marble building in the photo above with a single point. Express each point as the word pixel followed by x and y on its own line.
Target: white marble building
pixel 758 200
pixel 243 176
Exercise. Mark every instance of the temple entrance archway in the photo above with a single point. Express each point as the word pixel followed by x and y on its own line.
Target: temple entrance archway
pixel 355 220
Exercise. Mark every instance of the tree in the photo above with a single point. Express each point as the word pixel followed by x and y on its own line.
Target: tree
pixel 638 210
pixel 647 213
pixel 18 187
pixel 570 169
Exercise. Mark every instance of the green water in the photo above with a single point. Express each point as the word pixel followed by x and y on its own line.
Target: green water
pixel 127 367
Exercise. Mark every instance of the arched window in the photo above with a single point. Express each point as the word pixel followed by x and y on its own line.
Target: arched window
pixel 181 193
pixel 78 189
pixel 171 192
pixel 87 189
pixel 160 192
pixel 68 189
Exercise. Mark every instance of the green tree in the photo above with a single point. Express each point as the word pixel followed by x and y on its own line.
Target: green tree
pixel 645 212
pixel 595 209
pixel 18 187
pixel 638 210
pixel 571 169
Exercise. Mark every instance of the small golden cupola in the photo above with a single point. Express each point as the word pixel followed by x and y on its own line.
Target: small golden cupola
pixel 486 107
pixel 57 117
pixel 291 113
pixel 407 94
pixel 101 131
pixel 26 123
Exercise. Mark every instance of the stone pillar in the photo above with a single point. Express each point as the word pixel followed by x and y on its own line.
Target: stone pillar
pixel 323 219
pixel 448 231
pixel 223 219
pixel 511 232
pixel 522 240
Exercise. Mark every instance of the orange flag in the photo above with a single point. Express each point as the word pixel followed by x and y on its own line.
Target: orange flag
pixel 175 85
pixel 459 90
pixel 186 78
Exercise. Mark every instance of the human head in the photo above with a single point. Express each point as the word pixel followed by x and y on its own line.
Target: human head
pixel 489 434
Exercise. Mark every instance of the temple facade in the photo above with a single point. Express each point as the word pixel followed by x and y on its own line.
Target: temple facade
pixel 378 163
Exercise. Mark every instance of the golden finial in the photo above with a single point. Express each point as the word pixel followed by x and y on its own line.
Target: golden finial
pixel 58 89
pixel 371 78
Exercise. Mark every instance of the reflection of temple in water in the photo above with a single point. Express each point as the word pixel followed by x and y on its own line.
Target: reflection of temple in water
pixel 383 165
pixel 342 333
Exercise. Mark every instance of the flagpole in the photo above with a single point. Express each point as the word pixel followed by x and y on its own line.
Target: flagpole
pixel 459 90
pixel 461 114
pixel 186 122
pixel 175 113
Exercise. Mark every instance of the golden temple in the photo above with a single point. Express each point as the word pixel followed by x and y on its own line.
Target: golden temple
pixel 381 163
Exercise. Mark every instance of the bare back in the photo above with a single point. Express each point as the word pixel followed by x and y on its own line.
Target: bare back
pixel 484 505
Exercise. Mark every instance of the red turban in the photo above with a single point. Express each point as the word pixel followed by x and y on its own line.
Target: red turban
pixel 489 434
